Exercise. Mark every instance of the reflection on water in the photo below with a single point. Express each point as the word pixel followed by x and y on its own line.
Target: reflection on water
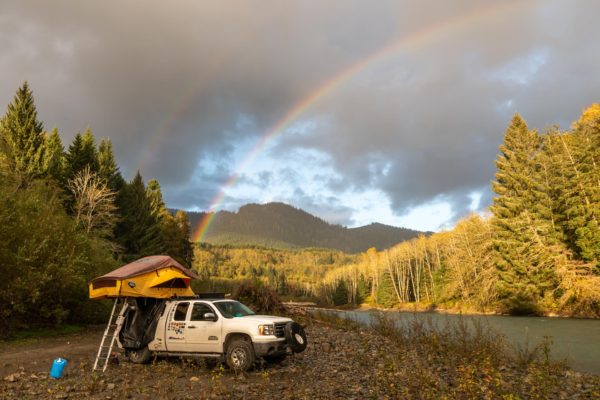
pixel 576 340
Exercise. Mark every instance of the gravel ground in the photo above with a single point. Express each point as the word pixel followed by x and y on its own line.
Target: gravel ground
pixel 340 362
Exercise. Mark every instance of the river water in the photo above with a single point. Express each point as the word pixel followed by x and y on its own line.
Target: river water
pixel 575 340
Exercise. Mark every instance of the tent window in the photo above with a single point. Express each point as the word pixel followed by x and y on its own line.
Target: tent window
pixel 172 283
pixel 105 283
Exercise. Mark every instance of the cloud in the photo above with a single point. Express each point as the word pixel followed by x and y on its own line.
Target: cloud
pixel 185 89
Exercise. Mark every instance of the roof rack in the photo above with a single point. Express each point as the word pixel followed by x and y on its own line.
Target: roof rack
pixel 211 295
pixel 200 296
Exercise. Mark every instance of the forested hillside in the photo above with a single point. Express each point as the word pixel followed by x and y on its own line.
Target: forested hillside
pixel 67 216
pixel 292 273
pixel 283 226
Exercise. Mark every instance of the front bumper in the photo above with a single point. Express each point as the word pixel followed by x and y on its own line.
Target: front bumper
pixel 271 348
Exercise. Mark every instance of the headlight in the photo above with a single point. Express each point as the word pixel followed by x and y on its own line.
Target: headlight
pixel 266 330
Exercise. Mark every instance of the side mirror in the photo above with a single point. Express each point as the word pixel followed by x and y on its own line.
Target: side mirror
pixel 209 316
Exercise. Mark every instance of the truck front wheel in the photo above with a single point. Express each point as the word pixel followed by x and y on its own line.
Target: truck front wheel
pixel 140 356
pixel 240 355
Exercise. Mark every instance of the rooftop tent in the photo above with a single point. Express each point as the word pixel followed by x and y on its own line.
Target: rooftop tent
pixel 153 276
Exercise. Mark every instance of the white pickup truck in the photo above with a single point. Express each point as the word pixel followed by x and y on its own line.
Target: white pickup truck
pixel 217 328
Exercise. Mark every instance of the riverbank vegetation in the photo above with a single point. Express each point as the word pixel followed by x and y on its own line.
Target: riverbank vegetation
pixel 67 216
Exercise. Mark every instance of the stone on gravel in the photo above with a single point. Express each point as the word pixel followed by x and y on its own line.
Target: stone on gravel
pixel 12 377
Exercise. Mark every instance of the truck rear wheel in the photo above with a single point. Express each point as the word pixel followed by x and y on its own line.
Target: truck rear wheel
pixel 140 356
pixel 240 355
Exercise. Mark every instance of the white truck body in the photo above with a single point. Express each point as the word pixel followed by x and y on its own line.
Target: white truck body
pixel 209 327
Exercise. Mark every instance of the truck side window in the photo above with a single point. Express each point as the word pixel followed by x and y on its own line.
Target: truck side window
pixel 199 310
pixel 181 311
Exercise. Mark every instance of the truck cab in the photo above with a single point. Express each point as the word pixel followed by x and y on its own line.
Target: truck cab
pixel 217 328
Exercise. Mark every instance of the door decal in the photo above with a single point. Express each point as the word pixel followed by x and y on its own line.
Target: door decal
pixel 176 327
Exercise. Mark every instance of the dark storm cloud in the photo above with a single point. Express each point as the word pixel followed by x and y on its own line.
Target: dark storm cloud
pixel 176 85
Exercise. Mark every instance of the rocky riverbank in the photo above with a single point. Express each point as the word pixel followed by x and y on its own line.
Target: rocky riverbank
pixel 342 361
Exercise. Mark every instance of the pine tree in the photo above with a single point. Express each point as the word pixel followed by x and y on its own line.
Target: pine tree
pixel 107 166
pixel 340 294
pixel 54 157
pixel 22 138
pixel 385 295
pixel 82 153
pixel 363 290
pixel 157 204
pixel 525 247
pixel 183 223
pixel 138 232
pixel 583 191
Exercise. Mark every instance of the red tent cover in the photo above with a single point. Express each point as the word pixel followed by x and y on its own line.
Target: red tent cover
pixel 145 265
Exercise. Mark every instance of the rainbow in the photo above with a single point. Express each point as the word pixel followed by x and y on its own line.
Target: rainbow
pixel 412 41
pixel 157 138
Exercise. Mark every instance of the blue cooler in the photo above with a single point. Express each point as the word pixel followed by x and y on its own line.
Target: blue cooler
pixel 58 367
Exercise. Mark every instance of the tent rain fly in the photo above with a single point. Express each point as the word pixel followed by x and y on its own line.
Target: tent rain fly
pixel 153 276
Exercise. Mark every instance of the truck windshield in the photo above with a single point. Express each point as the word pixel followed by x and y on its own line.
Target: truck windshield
pixel 231 309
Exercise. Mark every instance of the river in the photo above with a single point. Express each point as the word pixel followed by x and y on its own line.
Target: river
pixel 576 340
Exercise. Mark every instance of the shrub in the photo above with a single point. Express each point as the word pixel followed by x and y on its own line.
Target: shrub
pixel 259 297
pixel 46 260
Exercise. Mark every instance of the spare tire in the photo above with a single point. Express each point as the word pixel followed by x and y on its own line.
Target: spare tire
pixel 295 336
pixel 139 356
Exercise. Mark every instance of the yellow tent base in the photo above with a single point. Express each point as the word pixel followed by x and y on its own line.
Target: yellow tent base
pixel 161 283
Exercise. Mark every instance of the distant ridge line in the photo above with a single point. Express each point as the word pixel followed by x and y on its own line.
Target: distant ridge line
pixel 280 225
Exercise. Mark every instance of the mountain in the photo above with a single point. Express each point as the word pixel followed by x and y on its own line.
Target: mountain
pixel 283 226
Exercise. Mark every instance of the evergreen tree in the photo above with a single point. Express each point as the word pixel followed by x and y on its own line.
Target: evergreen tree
pixel 54 158
pixel 183 223
pixel 22 138
pixel 157 204
pixel 138 232
pixel 107 166
pixel 363 290
pixel 524 245
pixel 583 189
pixel 385 295
pixel 82 153
pixel 340 294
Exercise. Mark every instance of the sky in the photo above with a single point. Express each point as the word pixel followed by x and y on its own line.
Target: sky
pixel 355 111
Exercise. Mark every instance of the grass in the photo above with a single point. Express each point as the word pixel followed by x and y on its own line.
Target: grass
pixel 463 358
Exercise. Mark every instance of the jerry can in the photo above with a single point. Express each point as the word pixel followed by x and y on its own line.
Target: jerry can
pixel 58 367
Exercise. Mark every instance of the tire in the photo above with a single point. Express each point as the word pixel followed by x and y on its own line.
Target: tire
pixel 296 337
pixel 240 355
pixel 140 356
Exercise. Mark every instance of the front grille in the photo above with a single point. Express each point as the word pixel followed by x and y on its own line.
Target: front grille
pixel 280 329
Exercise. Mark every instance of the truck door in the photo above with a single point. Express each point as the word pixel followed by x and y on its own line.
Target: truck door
pixel 176 327
pixel 203 335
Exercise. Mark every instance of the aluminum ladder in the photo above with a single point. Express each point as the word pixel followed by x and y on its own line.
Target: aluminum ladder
pixel 110 334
